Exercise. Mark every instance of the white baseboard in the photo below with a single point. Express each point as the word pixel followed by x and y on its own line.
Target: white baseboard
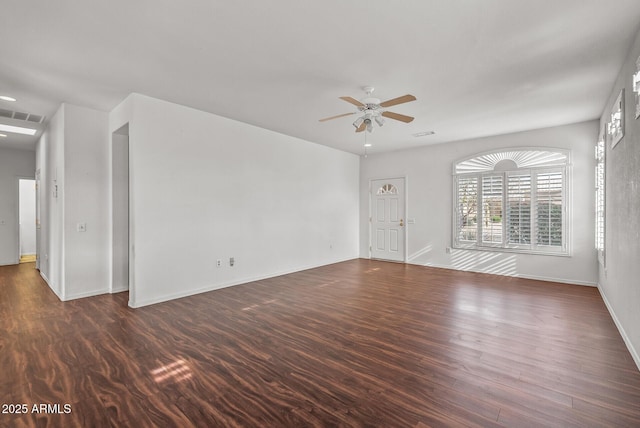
pixel 84 294
pixel 535 277
pixel 119 290
pixel 72 296
pixel 634 354
pixel 43 276
pixel 140 303
pixel 562 280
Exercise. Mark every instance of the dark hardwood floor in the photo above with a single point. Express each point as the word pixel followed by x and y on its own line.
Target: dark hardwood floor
pixel 360 343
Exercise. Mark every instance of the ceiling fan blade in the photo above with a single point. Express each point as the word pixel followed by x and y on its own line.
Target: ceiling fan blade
pixel 361 127
pixel 352 101
pixel 397 116
pixel 400 100
pixel 337 116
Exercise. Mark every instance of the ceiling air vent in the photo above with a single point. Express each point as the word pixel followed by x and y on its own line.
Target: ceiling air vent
pixel 17 115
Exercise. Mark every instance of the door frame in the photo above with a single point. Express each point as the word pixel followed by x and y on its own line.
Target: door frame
pixel 406 211
pixel 124 130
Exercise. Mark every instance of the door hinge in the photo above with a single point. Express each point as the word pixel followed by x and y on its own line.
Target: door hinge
pixel 370 249
pixel 370 219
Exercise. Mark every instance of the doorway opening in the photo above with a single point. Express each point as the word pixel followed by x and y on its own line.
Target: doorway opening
pixel 27 219
pixel 121 243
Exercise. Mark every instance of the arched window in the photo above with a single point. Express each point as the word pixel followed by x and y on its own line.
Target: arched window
pixel 388 189
pixel 512 199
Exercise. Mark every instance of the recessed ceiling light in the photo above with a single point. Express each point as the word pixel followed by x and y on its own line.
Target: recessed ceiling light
pixel 423 134
pixel 3 135
pixel 7 98
pixel 17 129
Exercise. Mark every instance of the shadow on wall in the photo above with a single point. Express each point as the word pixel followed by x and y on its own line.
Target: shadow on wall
pixel 496 263
pixel 419 253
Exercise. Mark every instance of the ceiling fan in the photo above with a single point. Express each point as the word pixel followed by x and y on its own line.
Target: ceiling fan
pixel 374 110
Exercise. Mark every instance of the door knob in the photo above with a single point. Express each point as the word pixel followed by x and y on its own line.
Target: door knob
pixel 401 222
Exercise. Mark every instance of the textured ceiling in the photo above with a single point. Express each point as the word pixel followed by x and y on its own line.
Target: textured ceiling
pixel 476 67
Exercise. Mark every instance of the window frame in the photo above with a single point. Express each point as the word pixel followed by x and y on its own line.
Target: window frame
pixel 533 173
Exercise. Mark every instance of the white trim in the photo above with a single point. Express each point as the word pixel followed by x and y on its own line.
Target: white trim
pixel 110 217
pixel 534 277
pixel 178 295
pixel 496 249
pixel 85 294
pixel 43 276
pixel 634 353
pixel 406 218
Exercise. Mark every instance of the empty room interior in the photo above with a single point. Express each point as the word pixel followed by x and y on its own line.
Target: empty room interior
pixel 295 213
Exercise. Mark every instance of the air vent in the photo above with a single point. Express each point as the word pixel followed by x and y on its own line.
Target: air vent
pixel 423 134
pixel 17 115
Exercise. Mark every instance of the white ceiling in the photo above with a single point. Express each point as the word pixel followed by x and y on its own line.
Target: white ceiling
pixel 476 67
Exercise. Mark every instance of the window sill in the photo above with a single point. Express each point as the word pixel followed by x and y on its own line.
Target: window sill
pixel 513 250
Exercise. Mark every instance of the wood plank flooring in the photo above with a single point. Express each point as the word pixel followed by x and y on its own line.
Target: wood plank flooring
pixel 359 343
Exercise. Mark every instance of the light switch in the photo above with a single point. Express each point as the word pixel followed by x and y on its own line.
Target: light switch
pixel 82 227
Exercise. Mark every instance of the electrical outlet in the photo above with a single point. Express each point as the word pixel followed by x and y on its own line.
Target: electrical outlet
pixel 232 261
pixel 81 227
pixel 218 263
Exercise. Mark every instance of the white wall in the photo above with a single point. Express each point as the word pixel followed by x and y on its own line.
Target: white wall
pixel 429 192
pixel 27 204
pixel 86 201
pixel 72 159
pixel 205 187
pixel 13 165
pixel 619 281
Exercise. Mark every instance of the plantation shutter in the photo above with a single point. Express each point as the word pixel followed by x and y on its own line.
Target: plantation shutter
pixel 492 209
pixel 518 209
pixel 549 196
pixel 467 212
pixel 600 188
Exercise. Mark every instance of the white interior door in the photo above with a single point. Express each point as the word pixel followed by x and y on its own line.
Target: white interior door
pixel 388 219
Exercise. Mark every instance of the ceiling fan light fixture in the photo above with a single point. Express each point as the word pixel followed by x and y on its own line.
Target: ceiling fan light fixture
pixel 379 120
pixel 3 135
pixel 369 125
pixel 358 122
